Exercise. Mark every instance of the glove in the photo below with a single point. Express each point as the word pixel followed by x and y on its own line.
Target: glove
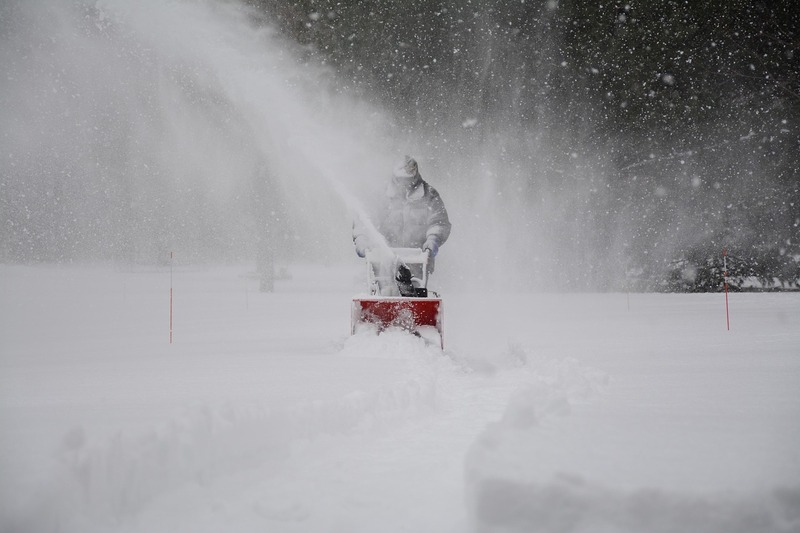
pixel 361 248
pixel 431 244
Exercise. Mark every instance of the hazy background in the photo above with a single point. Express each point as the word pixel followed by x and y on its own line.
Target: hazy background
pixel 577 146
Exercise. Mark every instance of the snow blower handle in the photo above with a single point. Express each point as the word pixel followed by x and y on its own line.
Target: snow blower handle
pixel 383 263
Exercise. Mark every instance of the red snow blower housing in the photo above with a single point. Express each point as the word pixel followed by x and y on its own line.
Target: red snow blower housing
pixel 397 280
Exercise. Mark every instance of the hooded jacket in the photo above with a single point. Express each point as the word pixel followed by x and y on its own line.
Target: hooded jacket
pixel 410 216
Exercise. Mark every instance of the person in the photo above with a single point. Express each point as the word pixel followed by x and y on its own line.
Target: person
pixel 413 215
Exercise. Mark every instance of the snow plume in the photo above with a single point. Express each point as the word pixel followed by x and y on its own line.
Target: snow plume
pixel 132 129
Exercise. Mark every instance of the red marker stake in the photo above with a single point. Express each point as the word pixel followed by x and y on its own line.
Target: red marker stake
pixel 170 297
pixel 725 282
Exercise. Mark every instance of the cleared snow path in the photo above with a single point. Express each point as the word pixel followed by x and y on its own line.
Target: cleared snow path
pixel 399 468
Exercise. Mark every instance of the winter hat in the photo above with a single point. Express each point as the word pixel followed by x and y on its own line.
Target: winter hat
pixel 405 168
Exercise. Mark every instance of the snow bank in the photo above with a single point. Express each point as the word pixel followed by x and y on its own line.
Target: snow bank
pixel 505 494
pixel 571 504
pixel 97 485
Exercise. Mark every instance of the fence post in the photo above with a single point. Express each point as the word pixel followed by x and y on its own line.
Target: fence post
pixel 725 283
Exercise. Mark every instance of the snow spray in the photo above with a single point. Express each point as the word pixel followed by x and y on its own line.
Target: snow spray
pixel 357 207
pixel 207 66
pixel 725 283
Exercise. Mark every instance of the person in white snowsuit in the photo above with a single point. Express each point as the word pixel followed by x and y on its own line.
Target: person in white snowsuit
pixel 412 215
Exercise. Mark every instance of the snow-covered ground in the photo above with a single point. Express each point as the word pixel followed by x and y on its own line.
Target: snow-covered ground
pixel 601 412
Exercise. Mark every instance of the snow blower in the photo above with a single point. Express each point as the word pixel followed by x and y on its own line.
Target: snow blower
pixel 397 280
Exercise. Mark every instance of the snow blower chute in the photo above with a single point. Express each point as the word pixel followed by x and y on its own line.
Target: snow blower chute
pixel 397 281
